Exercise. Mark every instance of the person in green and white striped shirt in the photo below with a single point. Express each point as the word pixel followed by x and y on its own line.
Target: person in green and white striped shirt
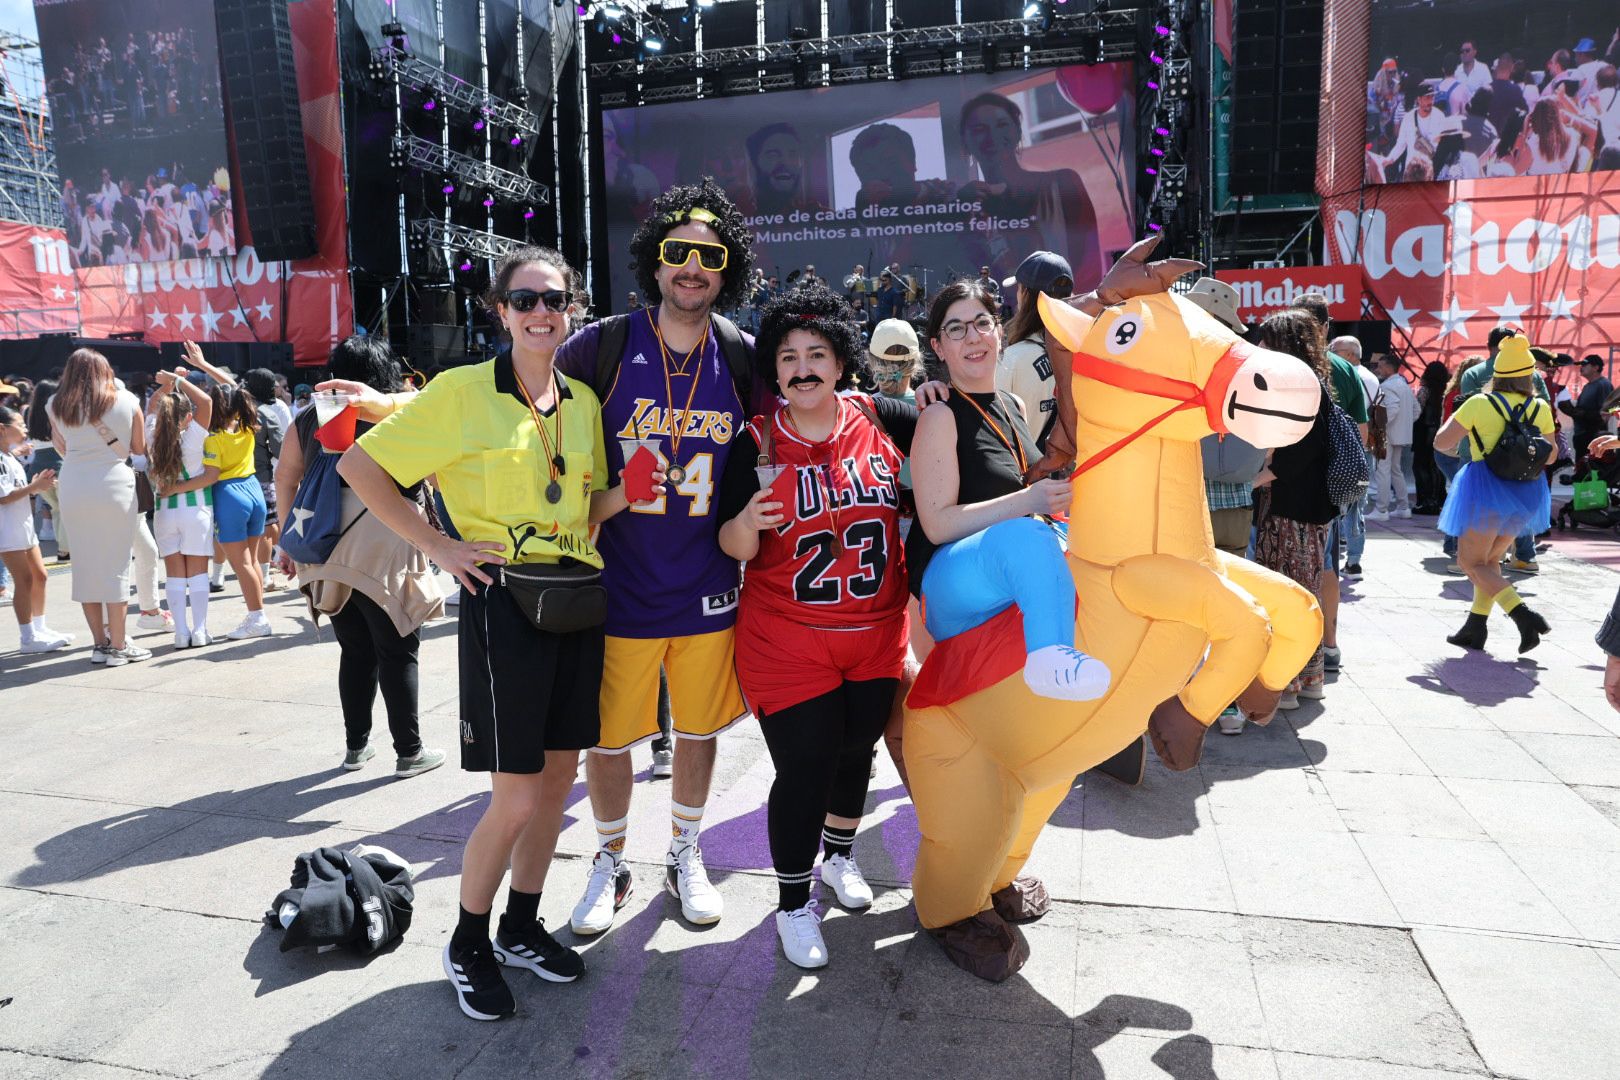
pixel 183 520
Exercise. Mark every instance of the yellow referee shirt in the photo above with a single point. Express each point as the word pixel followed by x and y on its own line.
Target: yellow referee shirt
pixel 472 428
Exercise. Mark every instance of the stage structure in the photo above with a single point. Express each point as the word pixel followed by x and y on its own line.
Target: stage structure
pixel 648 58
pixel 28 190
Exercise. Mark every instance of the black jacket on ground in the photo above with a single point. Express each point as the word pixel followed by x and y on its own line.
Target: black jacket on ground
pixel 363 902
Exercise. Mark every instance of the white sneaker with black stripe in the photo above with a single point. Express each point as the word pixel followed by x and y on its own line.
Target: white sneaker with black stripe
pixel 607 887
pixel 686 879
pixel 481 991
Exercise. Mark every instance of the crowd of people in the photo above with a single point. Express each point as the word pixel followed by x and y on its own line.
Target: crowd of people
pixel 165 217
pixel 656 518
pixel 1485 117
pixel 151 82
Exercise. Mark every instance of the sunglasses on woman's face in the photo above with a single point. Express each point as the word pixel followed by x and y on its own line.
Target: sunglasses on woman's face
pixel 525 300
pixel 678 253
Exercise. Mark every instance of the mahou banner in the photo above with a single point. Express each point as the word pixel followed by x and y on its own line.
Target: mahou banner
pixel 1264 292
pixel 1449 262
pixel 236 298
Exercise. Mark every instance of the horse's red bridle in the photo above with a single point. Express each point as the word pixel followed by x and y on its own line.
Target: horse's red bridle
pixel 1186 395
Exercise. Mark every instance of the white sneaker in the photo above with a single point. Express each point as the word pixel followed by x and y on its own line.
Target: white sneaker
pixel 1375 515
pixel 687 881
pixel 155 620
pixel 41 644
pixel 1057 671
pixel 200 637
pixel 1403 512
pixel 1230 722
pixel 839 873
pixel 251 627
pixel 606 890
pixel 800 932
pixel 98 653
pixel 663 764
pixel 182 640
pixel 129 654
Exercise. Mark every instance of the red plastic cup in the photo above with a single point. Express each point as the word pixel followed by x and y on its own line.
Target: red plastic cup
pixel 640 459
pixel 337 434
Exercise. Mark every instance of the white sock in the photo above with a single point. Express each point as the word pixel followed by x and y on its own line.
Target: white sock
pixel 198 602
pixel 264 571
pixel 175 589
pixel 610 837
pixel 685 823
pixel 27 632
pixel 216 573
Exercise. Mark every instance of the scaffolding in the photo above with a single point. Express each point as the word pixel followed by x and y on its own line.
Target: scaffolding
pixel 28 185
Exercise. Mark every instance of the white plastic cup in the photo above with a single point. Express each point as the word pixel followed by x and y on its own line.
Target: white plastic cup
pixel 767 474
pixel 328 403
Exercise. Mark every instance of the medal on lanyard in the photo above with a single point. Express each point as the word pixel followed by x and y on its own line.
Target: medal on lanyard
pixel 555 462
pixel 676 472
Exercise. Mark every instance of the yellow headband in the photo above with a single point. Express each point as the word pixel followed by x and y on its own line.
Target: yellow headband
pixel 696 213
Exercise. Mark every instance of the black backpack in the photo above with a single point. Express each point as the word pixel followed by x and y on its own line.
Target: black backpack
pixel 1523 451
pixel 616 331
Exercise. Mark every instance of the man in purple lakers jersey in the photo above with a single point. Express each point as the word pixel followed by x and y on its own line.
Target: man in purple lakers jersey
pixel 668 373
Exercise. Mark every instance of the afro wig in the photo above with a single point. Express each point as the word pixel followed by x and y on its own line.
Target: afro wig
pixel 824 313
pixel 673 208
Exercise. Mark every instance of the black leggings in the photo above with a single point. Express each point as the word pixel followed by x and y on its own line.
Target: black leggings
pixel 372 655
pixel 822 749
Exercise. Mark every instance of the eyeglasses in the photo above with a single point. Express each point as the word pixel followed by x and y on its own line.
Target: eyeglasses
pixel 956 331
pixel 524 300
pixel 678 253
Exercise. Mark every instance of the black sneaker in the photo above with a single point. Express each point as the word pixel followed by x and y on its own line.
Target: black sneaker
pixel 481 991
pixel 538 951
pixel 1353 571
pixel 216 587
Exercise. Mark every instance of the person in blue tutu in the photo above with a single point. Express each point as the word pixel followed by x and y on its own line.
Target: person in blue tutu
pixel 1484 511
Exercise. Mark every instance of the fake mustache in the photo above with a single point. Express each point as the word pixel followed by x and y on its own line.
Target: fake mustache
pixel 804 380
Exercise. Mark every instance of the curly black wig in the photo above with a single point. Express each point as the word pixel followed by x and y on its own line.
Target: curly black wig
pixel 821 311
pixel 671 209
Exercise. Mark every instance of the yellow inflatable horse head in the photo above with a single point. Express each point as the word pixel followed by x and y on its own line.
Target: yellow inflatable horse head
pixel 1184 628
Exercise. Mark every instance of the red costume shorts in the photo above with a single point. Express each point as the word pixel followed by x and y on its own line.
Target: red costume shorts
pixel 782 663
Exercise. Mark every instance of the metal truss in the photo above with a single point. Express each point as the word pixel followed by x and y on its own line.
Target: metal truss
pixel 968 63
pixel 29 191
pixel 453 92
pixel 433 233
pixel 429 156
pixel 1009 32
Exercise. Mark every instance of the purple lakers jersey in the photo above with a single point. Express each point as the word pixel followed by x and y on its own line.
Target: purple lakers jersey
pixel 663 568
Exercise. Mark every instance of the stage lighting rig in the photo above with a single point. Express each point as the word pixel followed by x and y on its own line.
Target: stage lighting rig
pixel 456 169
pixel 434 234
pixel 442 91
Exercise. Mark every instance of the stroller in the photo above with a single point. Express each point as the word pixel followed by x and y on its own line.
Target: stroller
pixel 1566 517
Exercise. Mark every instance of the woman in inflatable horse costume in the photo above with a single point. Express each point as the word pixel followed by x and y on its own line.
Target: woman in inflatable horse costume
pixel 1184 629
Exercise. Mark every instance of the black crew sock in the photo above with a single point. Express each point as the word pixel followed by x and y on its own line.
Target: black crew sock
pixel 836 841
pixel 472 931
pixel 790 896
pixel 522 909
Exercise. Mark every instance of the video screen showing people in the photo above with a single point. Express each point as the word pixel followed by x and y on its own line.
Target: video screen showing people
pixel 891 189
pixel 139 121
pixel 1474 89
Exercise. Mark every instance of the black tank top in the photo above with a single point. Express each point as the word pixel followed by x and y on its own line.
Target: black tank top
pixel 986 468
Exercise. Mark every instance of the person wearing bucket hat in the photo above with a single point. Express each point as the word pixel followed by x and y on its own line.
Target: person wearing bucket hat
pixel 1486 510
pixel 1452 161
pixel 1219 299
pixel 1024 368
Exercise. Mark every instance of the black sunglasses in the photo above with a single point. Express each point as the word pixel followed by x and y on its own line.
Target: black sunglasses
pixel 524 300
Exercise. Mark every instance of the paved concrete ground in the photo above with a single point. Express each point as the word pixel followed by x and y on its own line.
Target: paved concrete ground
pixel 1417 881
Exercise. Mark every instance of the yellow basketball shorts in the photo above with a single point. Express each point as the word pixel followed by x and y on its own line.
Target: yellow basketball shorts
pixel 704 698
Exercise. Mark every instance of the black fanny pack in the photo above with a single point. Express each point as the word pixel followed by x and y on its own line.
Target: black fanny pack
pixel 559 598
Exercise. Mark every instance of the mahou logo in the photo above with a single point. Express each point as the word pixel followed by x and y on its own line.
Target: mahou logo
pixel 1528 245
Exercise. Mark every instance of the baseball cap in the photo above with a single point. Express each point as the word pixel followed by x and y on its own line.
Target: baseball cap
pixel 1220 300
pixel 7 388
pixel 1040 272
pixel 894 339
pixel 303 388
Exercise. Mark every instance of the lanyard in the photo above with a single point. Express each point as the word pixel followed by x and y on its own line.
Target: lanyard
pixel 555 461
pixel 828 472
pixel 1012 445
pixel 669 391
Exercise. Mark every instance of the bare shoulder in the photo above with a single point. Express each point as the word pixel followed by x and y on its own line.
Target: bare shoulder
pixel 936 422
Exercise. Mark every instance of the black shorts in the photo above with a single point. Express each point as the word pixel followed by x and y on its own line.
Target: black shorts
pixel 523 691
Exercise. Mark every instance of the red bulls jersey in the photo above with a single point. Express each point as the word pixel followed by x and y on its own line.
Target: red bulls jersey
pixel 837 561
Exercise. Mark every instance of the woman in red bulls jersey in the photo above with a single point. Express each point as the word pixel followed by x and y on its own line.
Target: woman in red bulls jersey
pixel 811 503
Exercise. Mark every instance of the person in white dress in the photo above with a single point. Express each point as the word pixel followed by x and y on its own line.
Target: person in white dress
pixel 19 546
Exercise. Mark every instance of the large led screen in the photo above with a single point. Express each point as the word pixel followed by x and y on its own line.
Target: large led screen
pixel 939 176
pixel 141 151
pixel 1474 89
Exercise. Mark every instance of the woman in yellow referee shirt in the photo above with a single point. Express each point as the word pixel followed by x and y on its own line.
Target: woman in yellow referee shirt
pixel 517 450
pixel 1483 510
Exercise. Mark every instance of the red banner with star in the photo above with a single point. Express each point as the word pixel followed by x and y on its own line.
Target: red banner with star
pixel 1449 262
pixel 237 298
